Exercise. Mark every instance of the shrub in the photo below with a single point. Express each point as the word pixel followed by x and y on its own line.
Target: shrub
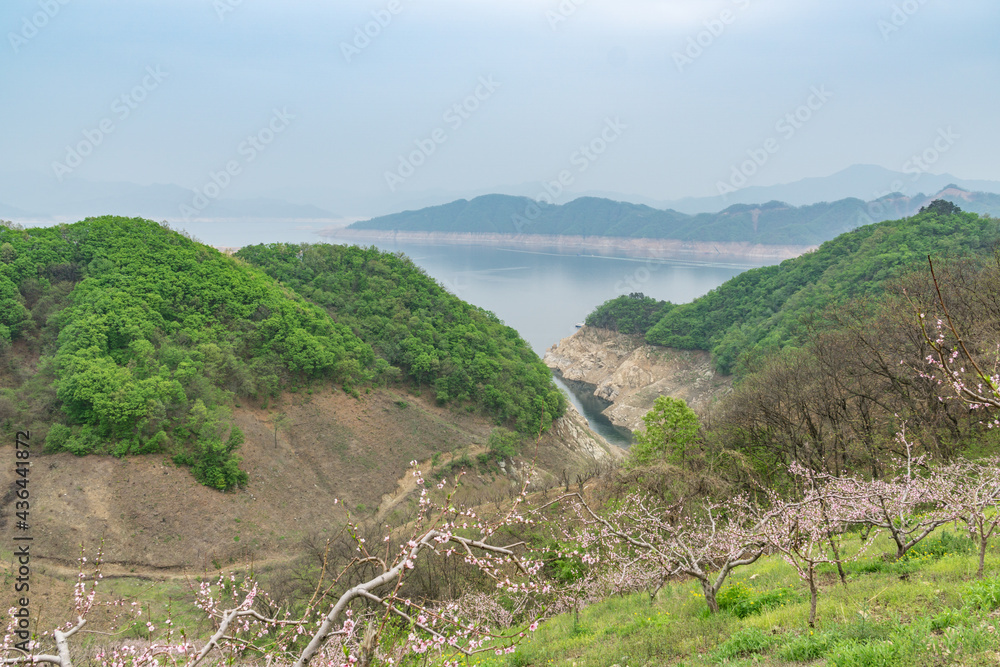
pixel 503 444
pixel 983 594
pixel 462 462
pixel 59 435
pixel 857 654
pixel 943 544
pixel 743 643
pixel 742 600
pixel 806 648
pixel 82 442
pixel 158 443
pixel 670 427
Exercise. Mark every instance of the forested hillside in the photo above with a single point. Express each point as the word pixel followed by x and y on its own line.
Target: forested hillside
pixel 774 222
pixel 769 308
pixel 121 336
pixel 830 358
pixel 466 353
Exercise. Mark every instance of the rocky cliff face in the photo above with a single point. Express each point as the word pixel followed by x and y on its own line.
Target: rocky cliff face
pixel 631 374
pixel 572 434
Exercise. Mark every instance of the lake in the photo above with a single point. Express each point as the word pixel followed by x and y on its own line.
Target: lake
pixel 543 293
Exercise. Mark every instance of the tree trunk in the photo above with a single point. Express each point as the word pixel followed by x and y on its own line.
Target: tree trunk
pixel 900 548
pixel 813 593
pixel 656 590
pixel 982 556
pixel 836 555
pixel 833 543
pixel 709 591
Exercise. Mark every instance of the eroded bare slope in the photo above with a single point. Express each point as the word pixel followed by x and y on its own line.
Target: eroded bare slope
pixel 631 374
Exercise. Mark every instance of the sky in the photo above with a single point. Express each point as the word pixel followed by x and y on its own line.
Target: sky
pixel 341 104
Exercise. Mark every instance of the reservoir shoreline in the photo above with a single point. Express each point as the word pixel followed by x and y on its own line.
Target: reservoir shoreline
pixel 636 247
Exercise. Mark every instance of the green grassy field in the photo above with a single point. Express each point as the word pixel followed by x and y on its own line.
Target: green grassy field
pixel 927 609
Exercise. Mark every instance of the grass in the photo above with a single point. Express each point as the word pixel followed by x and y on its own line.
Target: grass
pixel 927 610
pixel 930 613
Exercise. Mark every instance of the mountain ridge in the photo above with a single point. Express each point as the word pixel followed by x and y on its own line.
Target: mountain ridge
pixel 771 223
pixel 39 197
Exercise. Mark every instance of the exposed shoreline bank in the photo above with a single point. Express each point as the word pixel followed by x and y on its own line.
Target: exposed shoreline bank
pixel 639 247
pixel 629 374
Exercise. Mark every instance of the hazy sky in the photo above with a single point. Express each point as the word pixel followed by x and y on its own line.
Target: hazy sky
pixel 667 95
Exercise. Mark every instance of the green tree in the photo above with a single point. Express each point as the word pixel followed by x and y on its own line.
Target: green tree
pixel 503 443
pixel 670 427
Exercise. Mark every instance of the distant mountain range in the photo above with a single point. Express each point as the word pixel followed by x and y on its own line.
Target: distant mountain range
pixel 864 182
pixel 37 198
pixel 861 181
pixel 773 223
pixel 40 197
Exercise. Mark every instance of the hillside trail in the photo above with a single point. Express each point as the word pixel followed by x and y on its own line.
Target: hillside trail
pixel 110 570
pixel 407 485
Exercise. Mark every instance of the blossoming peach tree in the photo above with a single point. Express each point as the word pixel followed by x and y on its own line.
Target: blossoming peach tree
pixel 642 538
pixel 353 629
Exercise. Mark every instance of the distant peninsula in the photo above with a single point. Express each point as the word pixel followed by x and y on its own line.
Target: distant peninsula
pixel 771 230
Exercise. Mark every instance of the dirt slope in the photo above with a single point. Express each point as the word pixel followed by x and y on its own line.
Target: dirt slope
pixel 154 518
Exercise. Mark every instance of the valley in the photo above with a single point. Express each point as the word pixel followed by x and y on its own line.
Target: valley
pixel 372 366
pixel 500 334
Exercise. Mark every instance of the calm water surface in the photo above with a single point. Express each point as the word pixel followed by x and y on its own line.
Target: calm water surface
pixel 543 293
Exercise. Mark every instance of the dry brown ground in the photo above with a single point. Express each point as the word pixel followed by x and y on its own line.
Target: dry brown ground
pixel 157 522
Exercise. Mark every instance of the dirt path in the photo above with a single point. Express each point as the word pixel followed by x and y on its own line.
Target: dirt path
pixel 408 484
pixel 66 571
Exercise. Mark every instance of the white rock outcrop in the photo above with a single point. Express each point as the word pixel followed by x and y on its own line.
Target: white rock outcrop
pixel 631 374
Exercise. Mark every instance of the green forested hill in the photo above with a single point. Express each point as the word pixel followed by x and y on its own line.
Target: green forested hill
pixel 121 336
pixel 435 338
pixel 771 223
pixel 768 308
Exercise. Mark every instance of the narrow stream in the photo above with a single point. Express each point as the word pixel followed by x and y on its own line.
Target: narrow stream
pixel 581 395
